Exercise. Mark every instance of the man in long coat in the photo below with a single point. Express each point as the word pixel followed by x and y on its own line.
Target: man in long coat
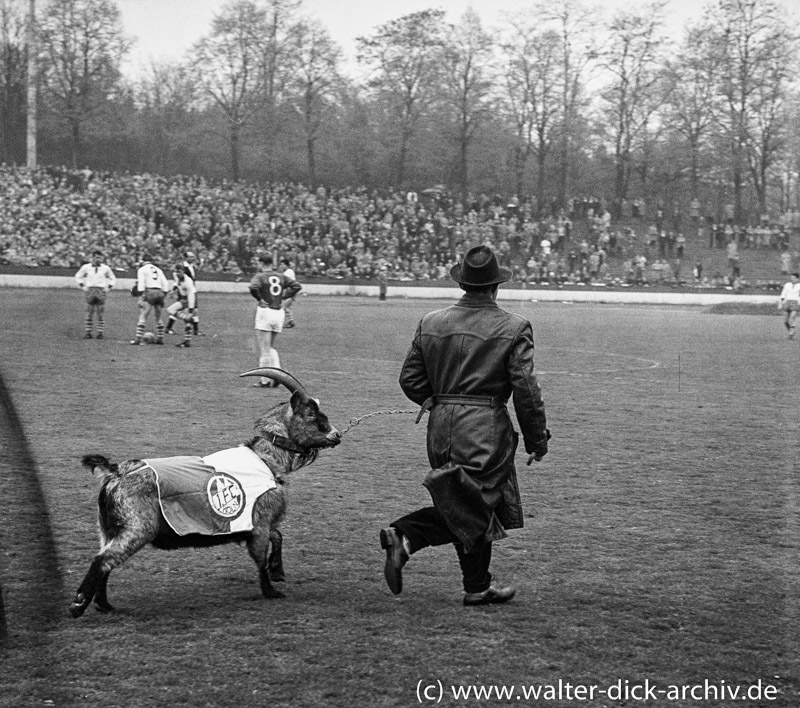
pixel 464 363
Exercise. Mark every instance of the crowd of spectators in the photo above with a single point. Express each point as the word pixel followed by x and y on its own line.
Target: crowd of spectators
pixel 56 216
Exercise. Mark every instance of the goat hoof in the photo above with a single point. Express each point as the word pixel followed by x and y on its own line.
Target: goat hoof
pixel 78 607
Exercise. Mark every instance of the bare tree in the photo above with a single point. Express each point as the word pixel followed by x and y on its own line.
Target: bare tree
pixel 532 98
pixel 757 52
pixel 405 57
pixel 693 76
pixel 769 128
pixel 83 44
pixel 633 60
pixel 12 79
pixel 279 45
pixel 167 95
pixel 576 26
pixel 468 83
pixel 230 68
pixel 789 177
pixel 315 83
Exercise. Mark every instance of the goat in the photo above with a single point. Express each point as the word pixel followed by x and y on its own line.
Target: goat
pixel 288 436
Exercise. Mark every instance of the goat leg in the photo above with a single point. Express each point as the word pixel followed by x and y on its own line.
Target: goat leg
pixel 114 553
pixel 275 559
pixel 88 588
pixel 101 596
pixel 258 547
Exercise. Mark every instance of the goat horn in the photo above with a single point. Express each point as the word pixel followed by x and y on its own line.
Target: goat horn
pixel 282 377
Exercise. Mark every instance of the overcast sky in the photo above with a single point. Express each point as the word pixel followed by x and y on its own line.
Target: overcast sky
pixel 165 29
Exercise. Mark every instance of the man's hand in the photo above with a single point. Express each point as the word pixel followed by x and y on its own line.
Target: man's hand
pixel 540 449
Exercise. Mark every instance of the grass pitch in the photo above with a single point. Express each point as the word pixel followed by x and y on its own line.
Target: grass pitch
pixel 660 547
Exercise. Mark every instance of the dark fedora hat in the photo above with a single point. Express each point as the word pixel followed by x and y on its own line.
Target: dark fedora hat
pixel 479 268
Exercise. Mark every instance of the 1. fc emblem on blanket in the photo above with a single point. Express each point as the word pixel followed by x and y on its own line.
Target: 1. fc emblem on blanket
pixel 211 495
pixel 226 496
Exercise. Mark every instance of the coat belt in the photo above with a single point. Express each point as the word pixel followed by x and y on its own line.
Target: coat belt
pixel 464 400
pixel 460 400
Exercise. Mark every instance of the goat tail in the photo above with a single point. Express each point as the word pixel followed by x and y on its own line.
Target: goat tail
pixel 97 464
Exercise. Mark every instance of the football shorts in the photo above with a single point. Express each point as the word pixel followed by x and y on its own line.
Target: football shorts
pixel 269 320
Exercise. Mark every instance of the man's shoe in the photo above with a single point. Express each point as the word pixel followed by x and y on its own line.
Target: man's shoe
pixel 492 596
pixel 134 341
pixel 88 335
pixel 100 335
pixel 169 331
pixel 184 344
pixel 396 558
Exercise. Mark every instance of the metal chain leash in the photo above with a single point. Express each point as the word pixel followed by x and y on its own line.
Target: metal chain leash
pixel 355 421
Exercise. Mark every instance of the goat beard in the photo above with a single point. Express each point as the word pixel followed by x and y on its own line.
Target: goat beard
pixel 298 460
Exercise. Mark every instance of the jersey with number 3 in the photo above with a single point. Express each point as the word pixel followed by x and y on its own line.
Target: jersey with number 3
pixel 272 287
pixel 150 276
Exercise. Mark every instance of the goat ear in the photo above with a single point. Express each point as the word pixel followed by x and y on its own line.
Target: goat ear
pixel 298 398
pixel 295 400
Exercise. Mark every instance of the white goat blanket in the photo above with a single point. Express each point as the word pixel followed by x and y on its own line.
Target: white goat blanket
pixel 211 495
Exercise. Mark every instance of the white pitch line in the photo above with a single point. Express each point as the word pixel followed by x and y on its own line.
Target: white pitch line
pixel 647 364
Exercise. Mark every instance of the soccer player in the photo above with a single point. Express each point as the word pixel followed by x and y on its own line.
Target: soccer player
pixel 185 307
pixel 288 271
pixel 270 287
pixel 96 279
pixel 152 287
pixel 790 302
pixel 190 268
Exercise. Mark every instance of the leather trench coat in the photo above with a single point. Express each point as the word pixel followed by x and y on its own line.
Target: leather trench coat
pixel 464 364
